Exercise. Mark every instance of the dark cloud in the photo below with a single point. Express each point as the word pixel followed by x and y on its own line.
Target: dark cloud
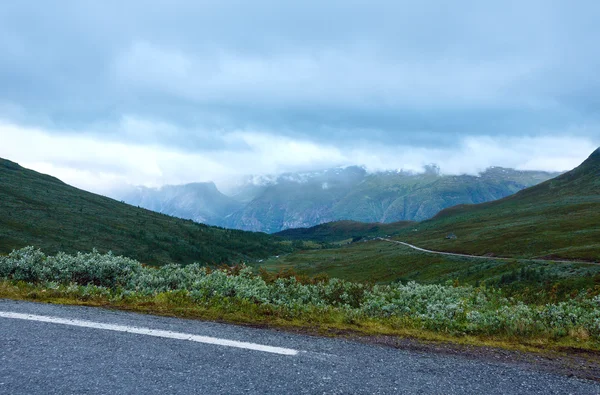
pixel 426 73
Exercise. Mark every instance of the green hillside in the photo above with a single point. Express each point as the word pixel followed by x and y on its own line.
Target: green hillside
pixel 344 230
pixel 380 261
pixel 40 210
pixel 559 218
pixel 304 200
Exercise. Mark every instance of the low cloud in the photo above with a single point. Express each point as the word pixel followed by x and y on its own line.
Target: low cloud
pixel 153 92
pixel 88 161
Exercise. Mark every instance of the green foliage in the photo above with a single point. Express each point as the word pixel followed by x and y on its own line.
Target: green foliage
pixel 383 262
pixel 344 230
pixel 354 194
pixel 31 265
pixel 41 210
pixel 558 219
pixel 443 308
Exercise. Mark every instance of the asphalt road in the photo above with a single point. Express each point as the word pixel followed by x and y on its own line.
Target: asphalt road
pixel 141 354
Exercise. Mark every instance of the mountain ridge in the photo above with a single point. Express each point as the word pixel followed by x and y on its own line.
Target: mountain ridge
pixel 557 218
pixel 306 199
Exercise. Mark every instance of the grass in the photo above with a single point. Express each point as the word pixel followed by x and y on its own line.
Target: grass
pixel 40 210
pixel 337 231
pixel 382 262
pixel 464 315
pixel 448 309
pixel 558 219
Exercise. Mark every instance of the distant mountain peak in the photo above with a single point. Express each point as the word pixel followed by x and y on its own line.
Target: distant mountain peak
pixel 308 198
pixel 201 186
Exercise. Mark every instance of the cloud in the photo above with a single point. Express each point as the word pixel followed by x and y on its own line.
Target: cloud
pixel 356 77
pixel 154 92
pixel 99 165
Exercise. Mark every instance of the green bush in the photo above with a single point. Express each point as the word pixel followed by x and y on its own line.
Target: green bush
pixel 447 308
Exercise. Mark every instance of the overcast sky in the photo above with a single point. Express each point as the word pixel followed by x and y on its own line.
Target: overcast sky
pixel 102 93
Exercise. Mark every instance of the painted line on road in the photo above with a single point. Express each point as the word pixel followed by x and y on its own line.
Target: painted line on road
pixel 150 332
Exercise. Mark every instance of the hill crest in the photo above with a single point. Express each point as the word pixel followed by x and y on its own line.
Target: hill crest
pixel 557 218
pixel 40 210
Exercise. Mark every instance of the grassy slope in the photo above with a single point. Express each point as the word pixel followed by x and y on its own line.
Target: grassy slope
pixel 559 218
pixel 40 210
pixel 390 197
pixel 384 262
pixel 343 230
pixel 352 194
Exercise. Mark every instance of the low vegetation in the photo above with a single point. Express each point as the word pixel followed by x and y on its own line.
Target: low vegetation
pixel 240 294
pixel 41 210
pixel 557 219
pixel 334 232
pixel 307 199
pixel 381 262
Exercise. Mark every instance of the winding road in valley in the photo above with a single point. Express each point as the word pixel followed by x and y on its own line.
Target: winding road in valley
pixel 480 256
pixel 53 349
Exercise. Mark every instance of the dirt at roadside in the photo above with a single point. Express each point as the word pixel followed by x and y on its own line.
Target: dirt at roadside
pixel 569 362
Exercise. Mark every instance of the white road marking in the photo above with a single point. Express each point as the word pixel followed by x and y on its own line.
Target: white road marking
pixel 150 332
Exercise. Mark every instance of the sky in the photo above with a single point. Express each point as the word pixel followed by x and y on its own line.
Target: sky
pixel 107 93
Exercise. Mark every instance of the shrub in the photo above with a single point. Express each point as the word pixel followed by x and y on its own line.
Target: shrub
pixel 448 308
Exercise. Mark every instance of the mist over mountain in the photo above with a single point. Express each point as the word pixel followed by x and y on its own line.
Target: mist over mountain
pixel 201 202
pixel 303 199
pixel 556 219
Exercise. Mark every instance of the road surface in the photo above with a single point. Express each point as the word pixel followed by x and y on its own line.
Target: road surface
pixel 480 256
pixel 52 349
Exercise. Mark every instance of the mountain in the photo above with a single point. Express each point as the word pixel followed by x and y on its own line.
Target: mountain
pixel 296 200
pixel 201 202
pixel 40 210
pixel 559 218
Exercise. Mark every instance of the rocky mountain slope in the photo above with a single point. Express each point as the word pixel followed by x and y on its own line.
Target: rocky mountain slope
pixel 294 200
pixel 201 202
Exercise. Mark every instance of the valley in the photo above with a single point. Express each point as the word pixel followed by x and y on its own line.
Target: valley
pixel 296 197
pixel 338 276
pixel 525 242
pixel 296 200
